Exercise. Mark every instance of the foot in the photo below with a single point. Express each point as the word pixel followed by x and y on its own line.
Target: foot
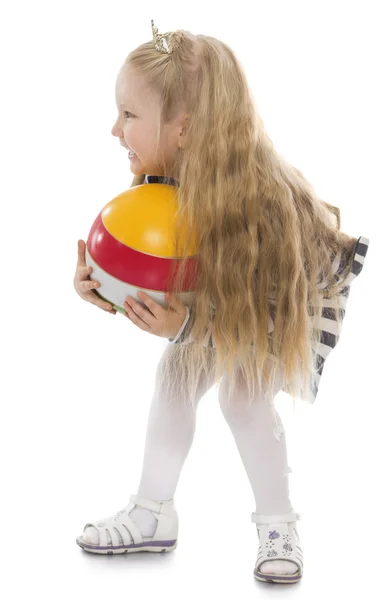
pixel 279 541
pixel 278 567
pixel 142 517
pixel 129 532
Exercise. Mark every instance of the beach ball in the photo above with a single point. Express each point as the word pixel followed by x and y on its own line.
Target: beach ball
pixel 130 246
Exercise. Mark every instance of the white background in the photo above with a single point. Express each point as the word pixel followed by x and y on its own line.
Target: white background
pixel 76 383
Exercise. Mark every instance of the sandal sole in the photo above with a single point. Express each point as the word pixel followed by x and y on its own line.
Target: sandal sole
pixel 271 578
pixel 160 546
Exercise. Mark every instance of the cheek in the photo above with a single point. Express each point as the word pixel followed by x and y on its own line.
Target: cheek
pixel 130 134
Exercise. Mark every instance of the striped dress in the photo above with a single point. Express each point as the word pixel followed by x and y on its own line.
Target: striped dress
pixel 330 329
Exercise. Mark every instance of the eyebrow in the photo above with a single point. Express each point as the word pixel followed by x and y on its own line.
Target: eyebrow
pixel 123 109
pixel 128 104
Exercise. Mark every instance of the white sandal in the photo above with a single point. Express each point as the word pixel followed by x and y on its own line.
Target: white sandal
pixel 110 530
pixel 278 540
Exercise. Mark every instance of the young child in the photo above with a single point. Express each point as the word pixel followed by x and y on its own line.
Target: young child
pixel 274 274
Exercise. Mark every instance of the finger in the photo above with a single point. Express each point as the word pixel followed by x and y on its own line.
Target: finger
pixel 94 298
pixel 135 318
pixel 102 304
pixel 144 315
pixel 155 309
pixel 111 312
pixel 84 271
pixel 89 284
pixel 81 253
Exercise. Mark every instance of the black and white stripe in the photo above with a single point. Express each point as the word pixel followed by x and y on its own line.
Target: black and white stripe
pixel 330 327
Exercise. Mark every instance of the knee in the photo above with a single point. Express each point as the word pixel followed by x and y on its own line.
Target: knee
pixel 236 406
pixel 240 405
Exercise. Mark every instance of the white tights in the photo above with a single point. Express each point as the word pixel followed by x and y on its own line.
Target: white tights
pixel 170 433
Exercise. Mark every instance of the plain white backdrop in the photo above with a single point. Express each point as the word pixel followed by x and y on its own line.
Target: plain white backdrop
pixel 76 383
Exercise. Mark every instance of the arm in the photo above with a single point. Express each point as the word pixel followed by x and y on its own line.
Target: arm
pixel 180 335
pixel 184 334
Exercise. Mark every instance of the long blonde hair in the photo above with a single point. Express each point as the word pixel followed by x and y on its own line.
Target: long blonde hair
pixel 264 238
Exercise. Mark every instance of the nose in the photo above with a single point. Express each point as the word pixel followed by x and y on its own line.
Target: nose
pixel 116 131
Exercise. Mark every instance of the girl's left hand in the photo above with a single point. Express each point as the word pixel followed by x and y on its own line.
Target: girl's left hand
pixel 156 321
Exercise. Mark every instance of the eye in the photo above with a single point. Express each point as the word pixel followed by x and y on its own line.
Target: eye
pixel 125 112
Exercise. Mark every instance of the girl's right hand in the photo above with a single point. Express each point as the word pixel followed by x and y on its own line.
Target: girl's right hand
pixel 84 286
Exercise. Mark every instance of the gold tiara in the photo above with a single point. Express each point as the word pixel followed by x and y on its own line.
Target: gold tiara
pixel 160 42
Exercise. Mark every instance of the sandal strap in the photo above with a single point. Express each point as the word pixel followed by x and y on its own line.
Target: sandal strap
pixel 114 522
pixel 270 519
pixel 133 529
pixel 166 508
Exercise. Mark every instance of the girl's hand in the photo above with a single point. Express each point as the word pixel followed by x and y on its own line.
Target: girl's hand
pixel 86 287
pixel 156 321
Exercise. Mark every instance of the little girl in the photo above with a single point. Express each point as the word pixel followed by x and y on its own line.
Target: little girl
pixel 274 275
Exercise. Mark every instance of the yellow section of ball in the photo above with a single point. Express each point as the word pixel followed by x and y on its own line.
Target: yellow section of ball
pixel 144 218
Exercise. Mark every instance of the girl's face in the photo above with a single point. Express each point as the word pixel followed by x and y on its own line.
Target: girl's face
pixel 136 125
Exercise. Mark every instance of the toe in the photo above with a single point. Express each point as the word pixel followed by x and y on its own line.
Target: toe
pixel 90 536
pixel 278 567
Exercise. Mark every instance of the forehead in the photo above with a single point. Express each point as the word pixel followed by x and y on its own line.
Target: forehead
pixel 131 90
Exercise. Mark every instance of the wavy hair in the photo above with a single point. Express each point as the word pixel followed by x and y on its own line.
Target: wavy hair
pixel 264 239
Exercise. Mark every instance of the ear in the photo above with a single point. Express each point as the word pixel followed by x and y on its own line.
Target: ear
pixel 184 123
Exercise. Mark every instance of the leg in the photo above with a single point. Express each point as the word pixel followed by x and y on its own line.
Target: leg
pixel 264 454
pixel 170 433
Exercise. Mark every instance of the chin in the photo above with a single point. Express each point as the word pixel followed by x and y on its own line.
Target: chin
pixel 136 168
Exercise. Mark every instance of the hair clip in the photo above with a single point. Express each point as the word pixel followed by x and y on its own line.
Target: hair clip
pixel 160 42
